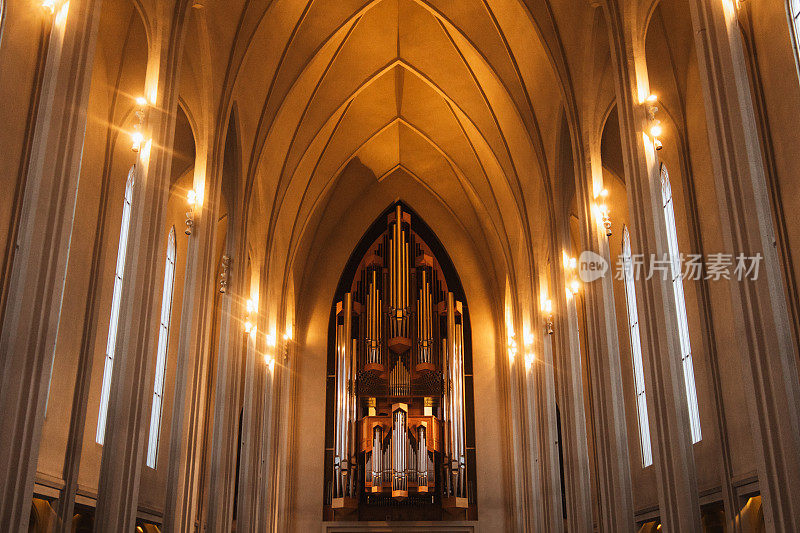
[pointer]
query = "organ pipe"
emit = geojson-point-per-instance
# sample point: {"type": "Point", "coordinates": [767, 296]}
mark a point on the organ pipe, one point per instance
{"type": "Point", "coordinates": [344, 467]}
{"type": "Point", "coordinates": [455, 367]}
{"type": "Point", "coordinates": [399, 450]}
{"type": "Point", "coordinates": [399, 386]}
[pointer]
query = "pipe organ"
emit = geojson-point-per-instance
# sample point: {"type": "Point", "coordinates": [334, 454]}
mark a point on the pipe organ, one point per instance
{"type": "Point", "coordinates": [398, 402]}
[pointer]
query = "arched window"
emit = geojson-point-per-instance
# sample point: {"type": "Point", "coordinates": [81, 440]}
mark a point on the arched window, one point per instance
{"type": "Point", "coordinates": [161, 355]}
{"type": "Point", "coordinates": [115, 302]}
{"type": "Point", "coordinates": [680, 304]}
{"type": "Point", "coordinates": [636, 350]}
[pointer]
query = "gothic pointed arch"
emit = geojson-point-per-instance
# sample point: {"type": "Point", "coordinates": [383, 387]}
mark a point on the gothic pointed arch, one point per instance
{"type": "Point", "coordinates": [400, 433]}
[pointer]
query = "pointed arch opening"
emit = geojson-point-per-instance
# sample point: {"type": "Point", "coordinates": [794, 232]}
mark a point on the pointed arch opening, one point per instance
{"type": "Point", "coordinates": [400, 432]}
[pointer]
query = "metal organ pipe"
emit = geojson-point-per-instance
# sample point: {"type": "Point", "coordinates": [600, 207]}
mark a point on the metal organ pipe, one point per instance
{"type": "Point", "coordinates": [399, 450]}
{"type": "Point", "coordinates": [455, 368]}
{"type": "Point", "coordinates": [377, 458]}
{"type": "Point", "coordinates": [337, 458]}
{"type": "Point", "coordinates": [344, 467]}
{"type": "Point", "coordinates": [422, 459]}
{"type": "Point", "coordinates": [373, 311]}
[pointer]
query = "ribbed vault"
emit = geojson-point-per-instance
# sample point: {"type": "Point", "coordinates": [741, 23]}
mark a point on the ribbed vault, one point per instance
{"type": "Point", "coordinates": [426, 87]}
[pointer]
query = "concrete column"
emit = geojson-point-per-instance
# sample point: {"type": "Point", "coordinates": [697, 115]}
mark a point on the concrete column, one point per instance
{"type": "Point", "coordinates": [251, 419]}
{"type": "Point", "coordinates": [524, 469]}
{"type": "Point", "coordinates": [267, 451]}
{"type": "Point", "coordinates": [760, 311]}
{"type": "Point", "coordinates": [613, 468]}
{"type": "Point", "coordinates": [131, 384]}
{"type": "Point", "coordinates": [531, 423]}
{"type": "Point", "coordinates": [577, 482]}
{"type": "Point", "coordinates": [567, 359]}
{"type": "Point", "coordinates": [673, 456]}
{"type": "Point", "coordinates": [191, 385]}
{"type": "Point", "coordinates": [36, 286]}
{"type": "Point", "coordinates": [228, 376]}
{"type": "Point", "coordinates": [543, 379]}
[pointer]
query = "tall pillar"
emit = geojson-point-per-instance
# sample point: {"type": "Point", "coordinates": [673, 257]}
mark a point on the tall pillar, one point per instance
{"type": "Point", "coordinates": [548, 432]}
{"type": "Point", "coordinates": [189, 417]}
{"type": "Point", "coordinates": [763, 325]}
{"type": "Point", "coordinates": [567, 359]}
{"type": "Point", "coordinates": [222, 455]}
{"type": "Point", "coordinates": [535, 450]}
{"type": "Point", "coordinates": [36, 286]}
{"type": "Point", "coordinates": [250, 430]}
{"type": "Point", "coordinates": [524, 469]}
{"type": "Point", "coordinates": [613, 468]}
{"type": "Point", "coordinates": [673, 455]}
{"type": "Point", "coordinates": [134, 362]}
{"type": "Point", "coordinates": [267, 451]}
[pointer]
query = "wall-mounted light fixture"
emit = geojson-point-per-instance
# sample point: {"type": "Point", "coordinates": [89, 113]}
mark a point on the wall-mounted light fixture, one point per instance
{"type": "Point", "coordinates": [530, 357]}
{"type": "Point", "coordinates": [49, 6]}
{"type": "Point", "coordinates": [571, 275]}
{"type": "Point", "coordinates": [249, 327]}
{"type": "Point", "coordinates": [547, 308]}
{"type": "Point", "coordinates": [137, 137]}
{"type": "Point", "coordinates": [575, 287]}
{"type": "Point", "coordinates": [191, 201]}
{"type": "Point", "coordinates": [603, 211]}
{"type": "Point", "coordinates": [224, 274]}
{"type": "Point", "coordinates": [655, 125]}
{"type": "Point", "coordinates": [512, 348]}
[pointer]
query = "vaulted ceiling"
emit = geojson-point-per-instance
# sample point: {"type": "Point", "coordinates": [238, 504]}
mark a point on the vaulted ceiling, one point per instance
{"type": "Point", "coordinates": [465, 100]}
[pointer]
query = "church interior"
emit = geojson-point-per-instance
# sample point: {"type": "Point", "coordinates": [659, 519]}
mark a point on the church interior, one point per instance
{"type": "Point", "coordinates": [399, 265]}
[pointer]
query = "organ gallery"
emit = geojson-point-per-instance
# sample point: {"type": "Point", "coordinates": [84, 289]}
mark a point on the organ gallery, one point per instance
{"type": "Point", "coordinates": [399, 380]}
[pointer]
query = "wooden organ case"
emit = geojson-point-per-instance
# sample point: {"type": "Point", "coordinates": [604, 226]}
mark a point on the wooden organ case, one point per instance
{"type": "Point", "coordinates": [398, 387]}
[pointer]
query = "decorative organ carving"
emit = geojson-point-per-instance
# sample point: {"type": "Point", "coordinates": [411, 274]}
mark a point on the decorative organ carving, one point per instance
{"type": "Point", "coordinates": [398, 407]}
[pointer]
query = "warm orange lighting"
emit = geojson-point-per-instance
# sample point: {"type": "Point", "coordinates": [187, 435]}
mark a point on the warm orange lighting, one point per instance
{"type": "Point", "coordinates": [251, 306]}
{"type": "Point", "coordinates": [141, 101]}
{"type": "Point", "coordinates": [136, 140]}
{"type": "Point", "coordinates": [61, 16]}
{"type": "Point", "coordinates": [652, 99]}
{"type": "Point", "coordinates": [529, 359]}
{"type": "Point", "coordinates": [191, 197]}
{"type": "Point", "coordinates": [49, 5]}
{"type": "Point", "coordinates": [575, 286]}
{"type": "Point", "coordinates": [248, 326]}
{"type": "Point", "coordinates": [512, 349]}
{"type": "Point", "coordinates": [528, 338]}
{"type": "Point", "coordinates": [271, 342]}
{"type": "Point", "coordinates": [656, 130]}
{"type": "Point", "coordinates": [547, 306]}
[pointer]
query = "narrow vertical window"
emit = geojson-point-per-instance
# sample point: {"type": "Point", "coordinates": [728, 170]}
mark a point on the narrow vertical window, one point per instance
{"type": "Point", "coordinates": [794, 13]}
{"type": "Point", "coordinates": [680, 304]}
{"type": "Point", "coordinates": [2, 18]}
{"type": "Point", "coordinates": [636, 350]}
{"type": "Point", "coordinates": [161, 355]}
{"type": "Point", "coordinates": [113, 322]}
